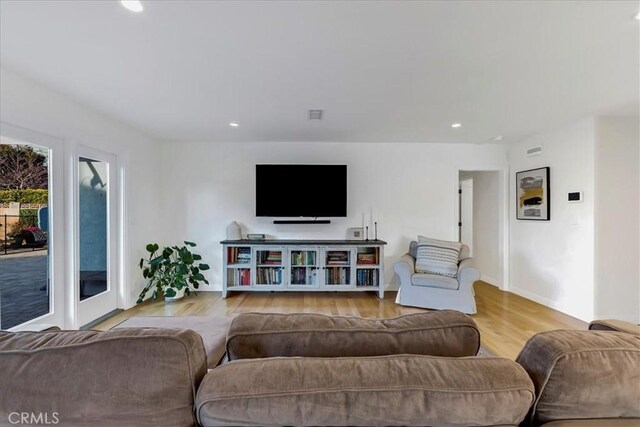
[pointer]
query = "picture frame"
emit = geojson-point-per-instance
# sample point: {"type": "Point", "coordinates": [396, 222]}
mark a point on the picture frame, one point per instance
{"type": "Point", "coordinates": [533, 191]}
{"type": "Point", "coordinates": [355, 233]}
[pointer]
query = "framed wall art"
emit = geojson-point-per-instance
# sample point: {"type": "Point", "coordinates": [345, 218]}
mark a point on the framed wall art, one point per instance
{"type": "Point", "coordinates": [532, 195]}
{"type": "Point", "coordinates": [355, 233]}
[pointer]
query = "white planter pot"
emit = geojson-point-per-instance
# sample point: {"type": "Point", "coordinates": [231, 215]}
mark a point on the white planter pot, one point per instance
{"type": "Point", "coordinates": [179, 295]}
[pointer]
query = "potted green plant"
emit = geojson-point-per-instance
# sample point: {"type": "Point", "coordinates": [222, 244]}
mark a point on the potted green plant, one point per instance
{"type": "Point", "coordinates": [172, 271]}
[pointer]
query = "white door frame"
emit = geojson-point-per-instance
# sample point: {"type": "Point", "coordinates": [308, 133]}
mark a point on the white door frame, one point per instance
{"type": "Point", "coordinates": [466, 213]}
{"type": "Point", "coordinates": [56, 236]}
{"type": "Point", "coordinates": [503, 216]}
{"type": "Point", "coordinates": [96, 306]}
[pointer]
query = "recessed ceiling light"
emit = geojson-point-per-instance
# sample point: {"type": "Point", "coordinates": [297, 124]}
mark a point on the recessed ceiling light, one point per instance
{"type": "Point", "coordinates": [497, 138]}
{"type": "Point", "coordinates": [234, 124]}
{"type": "Point", "coordinates": [132, 5]}
{"type": "Point", "coordinates": [456, 125]}
{"type": "Point", "coordinates": [638, 16]}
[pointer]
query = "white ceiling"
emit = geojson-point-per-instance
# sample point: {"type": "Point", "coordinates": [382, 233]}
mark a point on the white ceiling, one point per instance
{"type": "Point", "coordinates": [383, 71]}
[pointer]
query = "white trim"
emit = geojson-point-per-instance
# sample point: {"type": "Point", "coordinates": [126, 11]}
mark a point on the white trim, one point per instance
{"type": "Point", "coordinates": [503, 217]}
{"type": "Point", "coordinates": [537, 298]}
{"type": "Point", "coordinates": [96, 306]}
{"type": "Point", "coordinates": [489, 280]}
{"type": "Point", "coordinates": [547, 302]}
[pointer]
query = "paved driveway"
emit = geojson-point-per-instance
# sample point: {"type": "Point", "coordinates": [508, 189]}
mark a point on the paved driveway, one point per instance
{"type": "Point", "coordinates": [23, 295]}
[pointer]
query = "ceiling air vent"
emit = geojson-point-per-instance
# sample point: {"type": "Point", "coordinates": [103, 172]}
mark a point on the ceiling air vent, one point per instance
{"type": "Point", "coordinates": [534, 151]}
{"type": "Point", "coordinates": [316, 114]}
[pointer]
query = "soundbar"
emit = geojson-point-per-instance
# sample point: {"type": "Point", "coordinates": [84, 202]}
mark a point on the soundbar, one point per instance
{"type": "Point", "coordinates": [301, 221]}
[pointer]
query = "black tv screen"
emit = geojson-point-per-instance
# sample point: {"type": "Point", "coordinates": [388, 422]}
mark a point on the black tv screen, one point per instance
{"type": "Point", "coordinates": [301, 190]}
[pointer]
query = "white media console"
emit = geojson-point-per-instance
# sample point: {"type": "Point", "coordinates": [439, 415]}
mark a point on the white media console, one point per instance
{"type": "Point", "coordinates": [303, 265]}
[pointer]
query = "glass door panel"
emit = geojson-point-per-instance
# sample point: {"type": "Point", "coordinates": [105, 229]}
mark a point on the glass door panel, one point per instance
{"type": "Point", "coordinates": [303, 267]}
{"type": "Point", "coordinates": [338, 267]}
{"type": "Point", "coordinates": [96, 248]}
{"type": "Point", "coordinates": [269, 267]}
{"type": "Point", "coordinates": [93, 201]}
{"type": "Point", "coordinates": [25, 284]}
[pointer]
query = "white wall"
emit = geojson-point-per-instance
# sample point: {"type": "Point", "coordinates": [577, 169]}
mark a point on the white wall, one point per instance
{"type": "Point", "coordinates": [411, 189]}
{"type": "Point", "coordinates": [486, 225]}
{"type": "Point", "coordinates": [26, 104]}
{"type": "Point", "coordinates": [617, 213]}
{"type": "Point", "coordinates": [552, 262]}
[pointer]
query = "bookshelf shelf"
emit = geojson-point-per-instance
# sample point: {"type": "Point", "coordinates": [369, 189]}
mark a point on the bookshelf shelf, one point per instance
{"type": "Point", "coordinates": [303, 265]}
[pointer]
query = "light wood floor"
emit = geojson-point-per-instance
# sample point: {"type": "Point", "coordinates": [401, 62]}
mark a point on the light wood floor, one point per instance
{"type": "Point", "coordinates": [506, 320]}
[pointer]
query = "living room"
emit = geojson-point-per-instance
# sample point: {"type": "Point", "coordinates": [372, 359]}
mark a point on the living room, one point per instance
{"type": "Point", "coordinates": [183, 100]}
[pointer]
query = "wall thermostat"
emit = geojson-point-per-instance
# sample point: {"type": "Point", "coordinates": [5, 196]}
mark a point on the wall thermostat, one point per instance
{"type": "Point", "coordinates": [575, 197]}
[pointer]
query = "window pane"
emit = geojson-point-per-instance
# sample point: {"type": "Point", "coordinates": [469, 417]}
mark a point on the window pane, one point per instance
{"type": "Point", "coordinates": [24, 229]}
{"type": "Point", "coordinates": [92, 204]}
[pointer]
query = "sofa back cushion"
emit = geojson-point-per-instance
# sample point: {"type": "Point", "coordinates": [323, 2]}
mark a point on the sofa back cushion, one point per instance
{"type": "Point", "coordinates": [583, 374]}
{"type": "Point", "coordinates": [437, 333]}
{"type": "Point", "coordinates": [132, 377]}
{"type": "Point", "coordinates": [399, 390]}
{"type": "Point", "coordinates": [437, 257]}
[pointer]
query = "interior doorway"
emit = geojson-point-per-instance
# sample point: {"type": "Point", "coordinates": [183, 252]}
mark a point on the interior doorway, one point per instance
{"type": "Point", "coordinates": [480, 221]}
{"type": "Point", "coordinates": [465, 223]}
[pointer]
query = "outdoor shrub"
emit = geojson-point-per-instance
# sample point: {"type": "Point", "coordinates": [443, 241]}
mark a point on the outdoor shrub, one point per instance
{"type": "Point", "coordinates": [28, 218]}
{"type": "Point", "coordinates": [34, 196]}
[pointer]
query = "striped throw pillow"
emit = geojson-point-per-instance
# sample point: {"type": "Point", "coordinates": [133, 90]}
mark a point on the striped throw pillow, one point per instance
{"type": "Point", "coordinates": [437, 257]}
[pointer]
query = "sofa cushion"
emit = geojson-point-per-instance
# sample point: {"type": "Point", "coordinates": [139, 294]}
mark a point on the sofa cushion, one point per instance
{"type": "Point", "coordinates": [399, 390]}
{"type": "Point", "coordinates": [434, 281]}
{"type": "Point", "coordinates": [614, 325]}
{"type": "Point", "coordinates": [441, 333]}
{"type": "Point", "coordinates": [583, 374]}
{"type": "Point", "coordinates": [598, 422]}
{"type": "Point", "coordinates": [213, 330]}
{"type": "Point", "coordinates": [437, 257]}
{"type": "Point", "coordinates": [124, 377]}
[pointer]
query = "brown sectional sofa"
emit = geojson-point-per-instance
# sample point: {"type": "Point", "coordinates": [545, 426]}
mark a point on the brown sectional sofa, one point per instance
{"type": "Point", "coordinates": [158, 377]}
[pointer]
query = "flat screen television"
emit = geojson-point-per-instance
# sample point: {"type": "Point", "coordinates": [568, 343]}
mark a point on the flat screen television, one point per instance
{"type": "Point", "coordinates": [301, 191]}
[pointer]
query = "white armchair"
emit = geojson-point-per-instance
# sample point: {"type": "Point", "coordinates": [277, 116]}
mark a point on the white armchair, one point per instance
{"type": "Point", "coordinates": [434, 291]}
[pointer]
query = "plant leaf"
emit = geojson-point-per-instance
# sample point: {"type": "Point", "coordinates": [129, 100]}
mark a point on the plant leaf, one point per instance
{"type": "Point", "coordinates": [204, 267]}
{"type": "Point", "coordinates": [152, 247]}
{"type": "Point", "coordinates": [197, 257]}
{"type": "Point", "coordinates": [189, 243]}
{"type": "Point", "coordinates": [169, 292]}
{"type": "Point", "coordinates": [156, 261]}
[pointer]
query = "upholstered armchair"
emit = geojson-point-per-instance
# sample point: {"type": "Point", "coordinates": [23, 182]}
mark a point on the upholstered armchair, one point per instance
{"type": "Point", "coordinates": [435, 291]}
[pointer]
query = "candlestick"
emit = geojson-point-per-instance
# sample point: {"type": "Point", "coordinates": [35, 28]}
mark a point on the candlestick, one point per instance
{"type": "Point", "coordinates": [367, 233]}
{"type": "Point", "coordinates": [375, 224]}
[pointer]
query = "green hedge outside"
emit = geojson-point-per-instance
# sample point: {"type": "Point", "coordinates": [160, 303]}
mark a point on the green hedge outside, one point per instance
{"type": "Point", "coordinates": [34, 196]}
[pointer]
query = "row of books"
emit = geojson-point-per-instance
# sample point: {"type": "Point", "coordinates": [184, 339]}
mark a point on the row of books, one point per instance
{"type": "Point", "coordinates": [303, 258]}
{"type": "Point", "coordinates": [368, 277]}
{"type": "Point", "coordinates": [304, 276]}
{"type": "Point", "coordinates": [337, 275]}
{"type": "Point", "coordinates": [269, 276]}
{"type": "Point", "coordinates": [367, 258]}
{"type": "Point", "coordinates": [337, 258]}
{"type": "Point", "coordinates": [238, 277]}
{"type": "Point", "coordinates": [270, 257]}
{"type": "Point", "coordinates": [240, 255]}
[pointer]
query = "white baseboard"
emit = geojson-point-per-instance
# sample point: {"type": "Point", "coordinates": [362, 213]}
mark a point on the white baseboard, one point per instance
{"type": "Point", "coordinates": [489, 280]}
{"type": "Point", "coordinates": [546, 302]}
